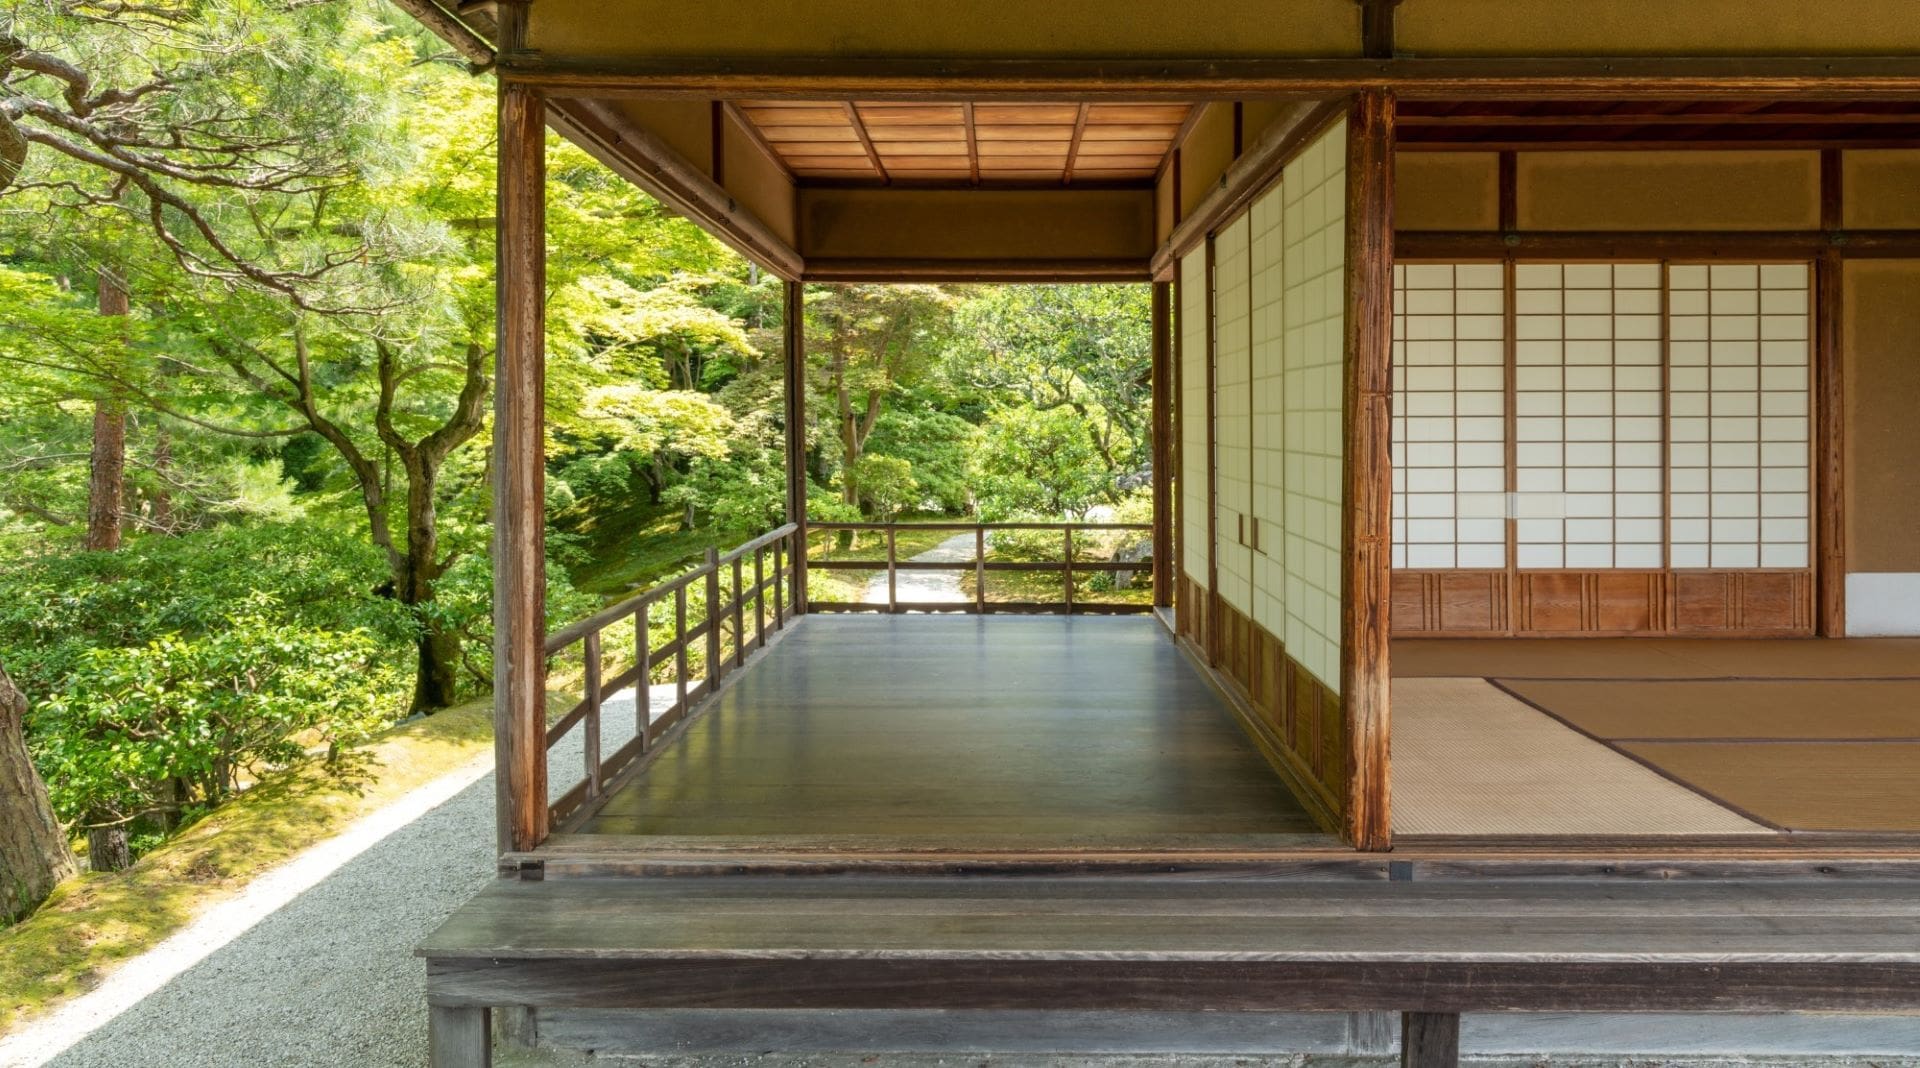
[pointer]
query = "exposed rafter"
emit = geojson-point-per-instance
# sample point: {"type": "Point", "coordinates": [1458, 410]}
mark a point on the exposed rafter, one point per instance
{"type": "Point", "coordinates": [1073, 146]}
{"type": "Point", "coordinates": [973, 144]}
{"type": "Point", "coordinates": [866, 140]}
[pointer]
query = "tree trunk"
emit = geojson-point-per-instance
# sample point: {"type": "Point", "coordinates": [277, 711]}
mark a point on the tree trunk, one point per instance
{"type": "Point", "coordinates": [107, 478]}
{"type": "Point", "coordinates": [33, 849]}
{"type": "Point", "coordinates": [162, 471]}
{"type": "Point", "coordinates": [438, 651]}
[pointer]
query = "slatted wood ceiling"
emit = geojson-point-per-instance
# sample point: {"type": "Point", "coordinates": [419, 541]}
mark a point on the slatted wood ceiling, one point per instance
{"type": "Point", "coordinates": [968, 143]}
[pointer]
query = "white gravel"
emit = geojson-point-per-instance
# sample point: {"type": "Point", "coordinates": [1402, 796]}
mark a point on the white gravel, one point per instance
{"type": "Point", "coordinates": [927, 587]}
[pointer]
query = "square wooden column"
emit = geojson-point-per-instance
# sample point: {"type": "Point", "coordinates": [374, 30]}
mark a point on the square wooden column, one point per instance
{"type": "Point", "coordinates": [1367, 518]}
{"type": "Point", "coordinates": [519, 460]}
{"type": "Point", "coordinates": [795, 325]}
{"type": "Point", "coordinates": [1163, 445]}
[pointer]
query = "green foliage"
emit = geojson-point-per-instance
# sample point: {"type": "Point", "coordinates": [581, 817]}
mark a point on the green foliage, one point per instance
{"type": "Point", "coordinates": [179, 723]}
{"type": "Point", "coordinates": [1037, 462]}
{"type": "Point", "coordinates": [886, 484]}
{"type": "Point", "coordinates": [937, 445]}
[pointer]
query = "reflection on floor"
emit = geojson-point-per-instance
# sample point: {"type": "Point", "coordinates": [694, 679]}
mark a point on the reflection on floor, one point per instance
{"type": "Point", "coordinates": [1536, 737]}
{"type": "Point", "coordinates": [963, 728]}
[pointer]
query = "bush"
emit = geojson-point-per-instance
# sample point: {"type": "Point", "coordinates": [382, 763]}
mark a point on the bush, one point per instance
{"type": "Point", "coordinates": [180, 723]}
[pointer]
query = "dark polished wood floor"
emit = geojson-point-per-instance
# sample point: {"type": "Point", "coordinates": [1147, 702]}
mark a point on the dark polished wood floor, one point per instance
{"type": "Point", "coordinates": [965, 728]}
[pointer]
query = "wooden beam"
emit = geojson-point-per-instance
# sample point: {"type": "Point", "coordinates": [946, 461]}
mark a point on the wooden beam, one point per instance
{"type": "Point", "coordinates": [1509, 179]}
{"type": "Point", "coordinates": [1656, 244]}
{"type": "Point", "coordinates": [1664, 118]}
{"type": "Point", "coordinates": [851, 269]}
{"type": "Point", "coordinates": [1162, 326]}
{"type": "Point", "coordinates": [1366, 526]}
{"type": "Point", "coordinates": [1246, 178]}
{"type": "Point", "coordinates": [450, 28]}
{"type": "Point", "coordinates": [1211, 644]}
{"type": "Point", "coordinates": [650, 163]}
{"type": "Point", "coordinates": [1849, 78]}
{"type": "Point", "coordinates": [459, 1036]}
{"type": "Point", "coordinates": [973, 144]}
{"type": "Point", "coordinates": [866, 140]}
{"type": "Point", "coordinates": [1376, 28]}
{"type": "Point", "coordinates": [1073, 146]}
{"type": "Point", "coordinates": [519, 462]}
{"type": "Point", "coordinates": [717, 137]}
{"type": "Point", "coordinates": [794, 336]}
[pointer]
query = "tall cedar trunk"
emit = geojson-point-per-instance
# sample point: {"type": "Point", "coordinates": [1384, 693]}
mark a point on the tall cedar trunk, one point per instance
{"type": "Point", "coordinates": [33, 850]}
{"type": "Point", "coordinates": [438, 650]}
{"type": "Point", "coordinates": [106, 480]}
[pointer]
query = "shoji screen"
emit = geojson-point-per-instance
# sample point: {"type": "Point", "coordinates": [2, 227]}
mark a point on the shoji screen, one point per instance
{"type": "Point", "coordinates": [1587, 406]}
{"type": "Point", "coordinates": [1269, 437]}
{"type": "Point", "coordinates": [1740, 421]}
{"type": "Point", "coordinates": [1449, 416]}
{"type": "Point", "coordinates": [1233, 425]}
{"type": "Point", "coordinates": [1313, 238]}
{"type": "Point", "coordinates": [1193, 426]}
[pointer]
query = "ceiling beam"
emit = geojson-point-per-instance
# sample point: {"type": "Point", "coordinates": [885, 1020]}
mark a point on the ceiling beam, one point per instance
{"type": "Point", "coordinates": [1073, 146]}
{"type": "Point", "coordinates": [1630, 118]}
{"type": "Point", "coordinates": [866, 141]}
{"type": "Point", "coordinates": [1139, 80]}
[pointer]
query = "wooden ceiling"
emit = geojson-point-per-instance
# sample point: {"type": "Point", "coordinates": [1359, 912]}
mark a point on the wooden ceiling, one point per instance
{"type": "Point", "coordinates": [1494, 124]}
{"type": "Point", "coordinates": [967, 143]}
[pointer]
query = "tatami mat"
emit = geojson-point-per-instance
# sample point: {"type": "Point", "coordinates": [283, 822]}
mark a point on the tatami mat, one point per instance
{"type": "Point", "coordinates": [1773, 710]}
{"type": "Point", "coordinates": [1469, 759]}
{"type": "Point", "coordinates": [1803, 786]}
{"type": "Point", "coordinates": [1657, 658]}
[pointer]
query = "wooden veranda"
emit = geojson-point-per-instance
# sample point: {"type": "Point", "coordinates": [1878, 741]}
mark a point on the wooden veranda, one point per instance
{"type": "Point", "coordinates": [1533, 522]}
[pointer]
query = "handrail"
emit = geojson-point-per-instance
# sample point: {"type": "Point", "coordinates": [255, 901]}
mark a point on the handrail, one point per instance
{"type": "Point", "coordinates": [723, 619]}
{"type": "Point", "coordinates": [1069, 566]}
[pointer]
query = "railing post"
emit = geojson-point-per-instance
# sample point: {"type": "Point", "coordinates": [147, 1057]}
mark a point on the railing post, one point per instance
{"type": "Point", "coordinates": [760, 597]}
{"type": "Point", "coordinates": [643, 685]}
{"type": "Point", "coordinates": [779, 584]}
{"type": "Point", "coordinates": [980, 568]}
{"type": "Point", "coordinates": [714, 617]}
{"type": "Point", "coordinates": [893, 597]}
{"type": "Point", "coordinates": [1069, 568]}
{"type": "Point", "coordinates": [590, 740]}
{"type": "Point", "coordinates": [739, 617]}
{"type": "Point", "coordinates": [679, 650]}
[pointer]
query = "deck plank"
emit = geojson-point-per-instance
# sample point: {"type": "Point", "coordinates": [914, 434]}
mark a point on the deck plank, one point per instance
{"type": "Point", "coordinates": [962, 727]}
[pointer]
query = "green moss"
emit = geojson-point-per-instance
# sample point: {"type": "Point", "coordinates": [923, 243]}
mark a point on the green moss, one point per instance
{"type": "Point", "coordinates": [97, 920]}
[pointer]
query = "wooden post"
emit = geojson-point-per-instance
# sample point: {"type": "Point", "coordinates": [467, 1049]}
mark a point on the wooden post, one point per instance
{"type": "Point", "coordinates": [1366, 520]}
{"type": "Point", "coordinates": [714, 617]}
{"type": "Point", "coordinates": [893, 594]}
{"type": "Point", "coordinates": [980, 569]}
{"type": "Point", "coordinates": [458, 1037]}
{"type": "Point", "coordinates": [1830, 534]}
{"type": "Point", "coordinates": [1429, 1039]}
{"type": "Point", "coordinates": [1162, 422]}
{"type": "Point", "coordinates": [1210, 636]}
{"type": "Point", "coordinates": [590, 741]}
{"type": "Point", "coordinates": [796, 415]}
{"type": "Point", "coordinates": [1068, 570]}
{"type": "Point", "coordinates": [519, 481]}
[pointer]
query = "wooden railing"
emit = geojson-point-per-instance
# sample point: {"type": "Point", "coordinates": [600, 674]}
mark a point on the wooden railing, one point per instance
{"type": "Point", "coordinates": [701, 652]}
{"type": "Point", "coordinates": [981, 565]}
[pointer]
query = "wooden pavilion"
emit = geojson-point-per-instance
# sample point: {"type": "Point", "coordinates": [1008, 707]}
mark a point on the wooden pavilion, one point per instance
{"type": "Point", "coordinates": [1477, 323]}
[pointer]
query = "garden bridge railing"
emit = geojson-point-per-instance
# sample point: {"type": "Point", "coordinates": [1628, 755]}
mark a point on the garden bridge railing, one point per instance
{"type": "Point", "coordinates": [1071, 564]}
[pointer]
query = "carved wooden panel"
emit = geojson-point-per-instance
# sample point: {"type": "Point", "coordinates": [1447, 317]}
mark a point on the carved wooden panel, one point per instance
{"type": "Point", "coordinates": [1744, 602]}
{"type": "Point", "coordinates": [1441, 603]}
{"type": "Point", "coordinates": [1595, 603]}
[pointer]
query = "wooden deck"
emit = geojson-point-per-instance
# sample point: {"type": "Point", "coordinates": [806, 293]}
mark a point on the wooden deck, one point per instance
{"type": "Point", "coordinates": [962, 729]}
{"type": "Point", "coordinates": [1431, 949]}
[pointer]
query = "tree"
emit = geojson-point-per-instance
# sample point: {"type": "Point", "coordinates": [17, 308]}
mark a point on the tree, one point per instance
{"type": "Point", "coordinates": [866, 342]}
{"type": "Point", "coordinates": [33, 849]}
{"type": "Point", "coordinates": [1086, 348]}
{"type": "Point", "coordinates": [1037, 462]}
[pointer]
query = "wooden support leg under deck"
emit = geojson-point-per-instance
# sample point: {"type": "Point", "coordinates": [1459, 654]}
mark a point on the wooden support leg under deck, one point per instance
{"type": "Point", "coordinates": [458, 1037]}
{"type": "Point", "coordinates": [1429, 1039]}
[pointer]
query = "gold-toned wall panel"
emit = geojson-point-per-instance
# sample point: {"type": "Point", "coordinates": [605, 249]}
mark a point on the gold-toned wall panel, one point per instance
{"type": "Point", "coordinates": [758, 182]}
{"type": "Point", "coordinates": [967, 224]}
{"type": "Point", "coordinates": [1657, 27]}
{"type": "Point", "coordinates": [1206, 154]}
{"type": "Point", "coordinates": [686, 126]}
{"type": "Point", "coordinates": [1446, 191]}
{"type": "Point", "coordinates": [1757, 190]}
{"type": "Point", "coordinates": [979, 28]}
{"type": "Point", "coordinates": [1882, 376]}
{"type": "Point", "coordinates": [1880, 189]}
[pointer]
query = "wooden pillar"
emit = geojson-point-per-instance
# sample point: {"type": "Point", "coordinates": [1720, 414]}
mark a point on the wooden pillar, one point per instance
{"type": "Point", "coordinates": [1429, 1039]}
{"type": "Point", "coordinates": [1210, 638]}
{"type": "Point", "coordinates": [1366, 522]}
{"type": "Point", "coordinates": [519, 479]}
{"type": "Point", "coordinates": [458, 1037]}
{"type": "Point", "coordinates": [1163, 563]}
{"type": "Point", "coordinates": [1830, 535]}
{"type": "Point", "coordinates": [795, 326]}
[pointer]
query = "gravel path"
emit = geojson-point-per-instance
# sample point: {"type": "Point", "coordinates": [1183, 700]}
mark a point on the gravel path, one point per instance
{"type": "Point", "coordinates": [927, 586]}
{"type": "Point", "coordinates": [323, 973]}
